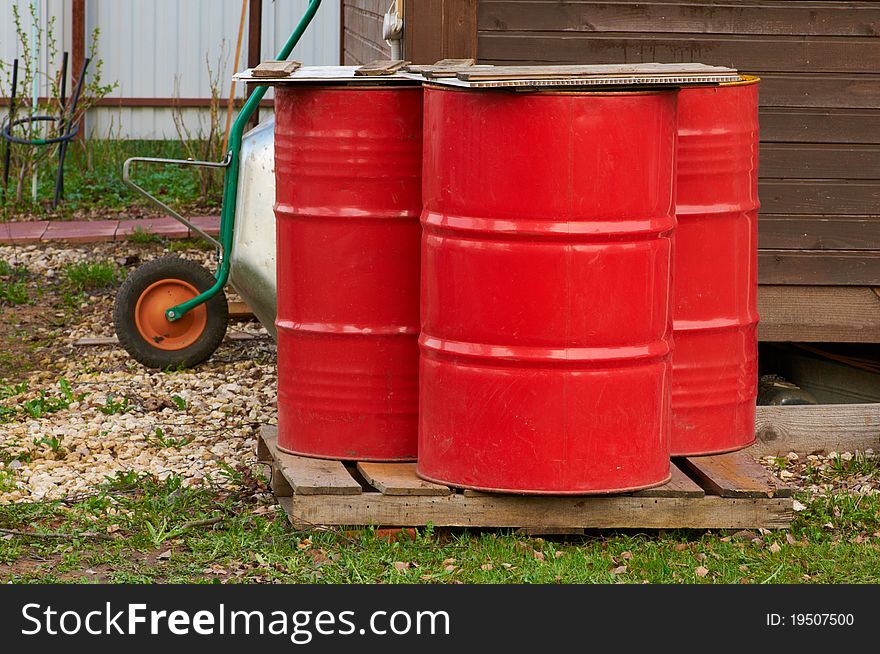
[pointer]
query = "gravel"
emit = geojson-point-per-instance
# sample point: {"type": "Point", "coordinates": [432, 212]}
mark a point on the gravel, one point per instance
{"type": "Point", "coordinates": [193, 423]}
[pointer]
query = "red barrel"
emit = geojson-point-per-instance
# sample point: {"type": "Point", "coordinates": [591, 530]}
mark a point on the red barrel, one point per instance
{"type": "Point", "coordinates": [715, 364]}
{"type": "Point", "coordinates": [348, 199]}
{"type": "Point", "coordinates": [546, 308]}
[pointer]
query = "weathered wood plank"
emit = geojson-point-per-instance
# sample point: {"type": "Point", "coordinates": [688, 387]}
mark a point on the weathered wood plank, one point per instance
{"type": "Point", "coordinates": [734, 475]}
{"type": "Point", "coordinates": [800, 232]}
{"type": "Point", "coordinates": [380, 67]}
{"type": "Point", "coordinates": [826, 91]}
{"type": "Point", "coordinates": [819, 267]}
{"type": "Point", "coordinates": [812, 429]}
{"type": "Point", "coordinates": [707, 17]}
{"type": "Point", "coordinates": [310, 476]}
{"type": "Point", "coordinates": [680, 485]}
{"type": "Point", "coordinates": [240, 310]}
{"type": "Point", "coordinates": [362, 32]}
{"type": "Point", "coordinates": [807, 196]}
{"type": "Point", "coordinates": [745, 52]}
{"type": "Point", "coordinates": [819, 314]}
{"type": "Point", "coordinates": [275, 68]}
{"type": "Point", "coordinates": [399, 479]}
{"type": "Point", "coordinates": [819, 125]}
{"type": "Point", "coordinates": [443, 64]}
{"type": "Point", "coordinates": [497, 511]}
{"type": "Point", "coordinates": [279, 484]}
{"type": "Point", "coordinates": [820, 161]}
{"type": "Point", "coordinates": [478, 73]}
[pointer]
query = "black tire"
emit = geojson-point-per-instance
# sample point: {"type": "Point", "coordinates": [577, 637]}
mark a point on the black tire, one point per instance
{"type": "Point", "coordinates": [142, 349]}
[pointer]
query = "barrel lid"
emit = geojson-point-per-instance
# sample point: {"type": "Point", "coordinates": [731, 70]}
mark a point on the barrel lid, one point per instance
{"type": "Point", "coordinates": [594, 75]}
{"type": "Point", "coordinates": [335, 75]}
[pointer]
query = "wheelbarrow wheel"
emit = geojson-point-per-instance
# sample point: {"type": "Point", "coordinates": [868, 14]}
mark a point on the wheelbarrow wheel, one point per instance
{"type": "Point", "coordinates": [139, 314]}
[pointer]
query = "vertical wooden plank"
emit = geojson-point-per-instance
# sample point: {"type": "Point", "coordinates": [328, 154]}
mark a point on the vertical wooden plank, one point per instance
{"type": "Point", "coordinates": [78, 47]}
{"type": "Point", "coordinates": [460, 29]}
{"type": "Point", "coordinates": [341, 32]}
{"type": "Point", "coordinates": [440, 29]}
{"type": "Point", "coordinates": [255, 45]}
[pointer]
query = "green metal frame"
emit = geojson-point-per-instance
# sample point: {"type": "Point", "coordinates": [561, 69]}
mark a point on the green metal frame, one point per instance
{"type": "Point", "coordinates": [230, 179]}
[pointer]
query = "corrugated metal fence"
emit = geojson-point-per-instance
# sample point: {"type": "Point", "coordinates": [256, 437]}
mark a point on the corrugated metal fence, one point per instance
{"type": "Point", "coordinates": [160, 49]}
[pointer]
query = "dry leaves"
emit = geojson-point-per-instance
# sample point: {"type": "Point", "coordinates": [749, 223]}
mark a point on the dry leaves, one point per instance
{"type": "Point", "coordinates": [701, 571]}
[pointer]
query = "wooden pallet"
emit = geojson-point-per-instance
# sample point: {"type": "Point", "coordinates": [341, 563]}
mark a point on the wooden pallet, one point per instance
{"type": "Point", "coordinates": [718, 492]}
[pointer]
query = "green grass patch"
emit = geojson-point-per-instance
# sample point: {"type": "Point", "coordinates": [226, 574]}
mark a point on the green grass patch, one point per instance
{"type": "Point", "coordinates": [13, 284]}
{"type": "Point", "coordinates": [93, 180]}
{"type": "Point", "coordinates": [186, 244]}
{"type": "Point", "coordinates": [143, 237]}
{"type": "Point", "coordinates": [90, 276]}
{"type": "Point", "coordinates": [228, 530]}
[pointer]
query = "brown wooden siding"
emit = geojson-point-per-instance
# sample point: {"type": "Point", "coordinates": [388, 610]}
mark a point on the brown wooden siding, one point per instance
{"type": "Point", "coordinates": [362, 40]}
{"type": "Point", "coordinates": [820, 104]}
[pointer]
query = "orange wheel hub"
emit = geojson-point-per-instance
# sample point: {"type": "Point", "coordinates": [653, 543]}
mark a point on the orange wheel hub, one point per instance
{"type": "Point", "coordinates": [156, 329]}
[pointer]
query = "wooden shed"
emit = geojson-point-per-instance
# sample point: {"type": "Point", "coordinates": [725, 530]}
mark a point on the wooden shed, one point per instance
{"type": "Point", "coordinates": [819, 233]}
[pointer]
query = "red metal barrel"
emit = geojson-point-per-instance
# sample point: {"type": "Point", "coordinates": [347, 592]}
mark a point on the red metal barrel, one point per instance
{"type": "Point", "coordinates": [715, 368]}
{"type": "Point", "coordinates": [348, 199]}
{"type": "Point", "coordinates": [546, 309]}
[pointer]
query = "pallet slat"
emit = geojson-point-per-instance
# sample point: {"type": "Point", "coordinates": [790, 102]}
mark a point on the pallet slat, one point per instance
{"type": "Point", "coordinates": [735, 475]}
{"type": "Point", "coordinates": [399, 479]}
{"type": "Point", "coordinates": [680, 485]}
{"type": "Point", "coordinates": [496, 511]}
{"type": "Point", "coordinates": [310, 476]}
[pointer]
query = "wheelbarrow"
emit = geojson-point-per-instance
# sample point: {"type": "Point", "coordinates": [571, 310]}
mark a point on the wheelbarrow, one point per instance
{"type": "Point", "coordinates": [173, 312]}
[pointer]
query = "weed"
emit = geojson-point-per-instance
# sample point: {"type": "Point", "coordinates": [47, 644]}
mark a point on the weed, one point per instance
{"type": "Point", "coordinates": [179, 402]}
{"type": "Point", "coordinates": [8, 270]}
{"type": "Point", "coordinates": [143, 237]}
{"type": "Point", "coordinates": [11, 390]}
{"type": "Point", "coordinates": [7, 481]}
{"type": "Point", "coordinates": [160, 440]}
{"type": "Point", "coordinates": [86, 276]}
{"type": "Point", "coordinates": [160, 534]}
{"type": "Point", "coordinates": [52, 442]}
{"type": "Point", "coordinates": [14, 293]}
{"type": "Point", "coordinates": [191, 244]}
{"type": "Point", "coordinates": [112, 406]}
{"type": "Point", "coordinates": [72, 299]}
{"type": "Point", "coordinates": [44, 404]}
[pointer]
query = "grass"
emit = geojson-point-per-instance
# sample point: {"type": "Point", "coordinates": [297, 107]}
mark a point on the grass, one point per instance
{"type": "Point", "coordinates": [191, 244]}
{"type": "Point", "coordinates": [13, 284]}
{"type": "Point", "coordinates": [143, 237]}
{"type": "Point", "coordinates": [165, 532]}
{"type": "Point", "coordinates": [90, 276]}
{"type": "Point", "coordinates": [93, 181]}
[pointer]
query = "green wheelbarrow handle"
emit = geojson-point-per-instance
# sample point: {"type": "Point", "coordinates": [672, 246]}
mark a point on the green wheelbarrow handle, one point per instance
{"type": "Point", "coordinates": [230, 178]}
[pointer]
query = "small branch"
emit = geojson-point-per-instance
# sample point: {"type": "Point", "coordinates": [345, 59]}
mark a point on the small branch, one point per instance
{"type": "Point", "coordinates": [200, 523]}
{"type": "Point", "coordinates": [32, 534]}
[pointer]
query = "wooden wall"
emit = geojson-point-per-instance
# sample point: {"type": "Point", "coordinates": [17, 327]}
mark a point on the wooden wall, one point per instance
{"type": "Point", "coordinates": [362, 40]}
{"type": "Point", "coordinates": [820, 105]}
